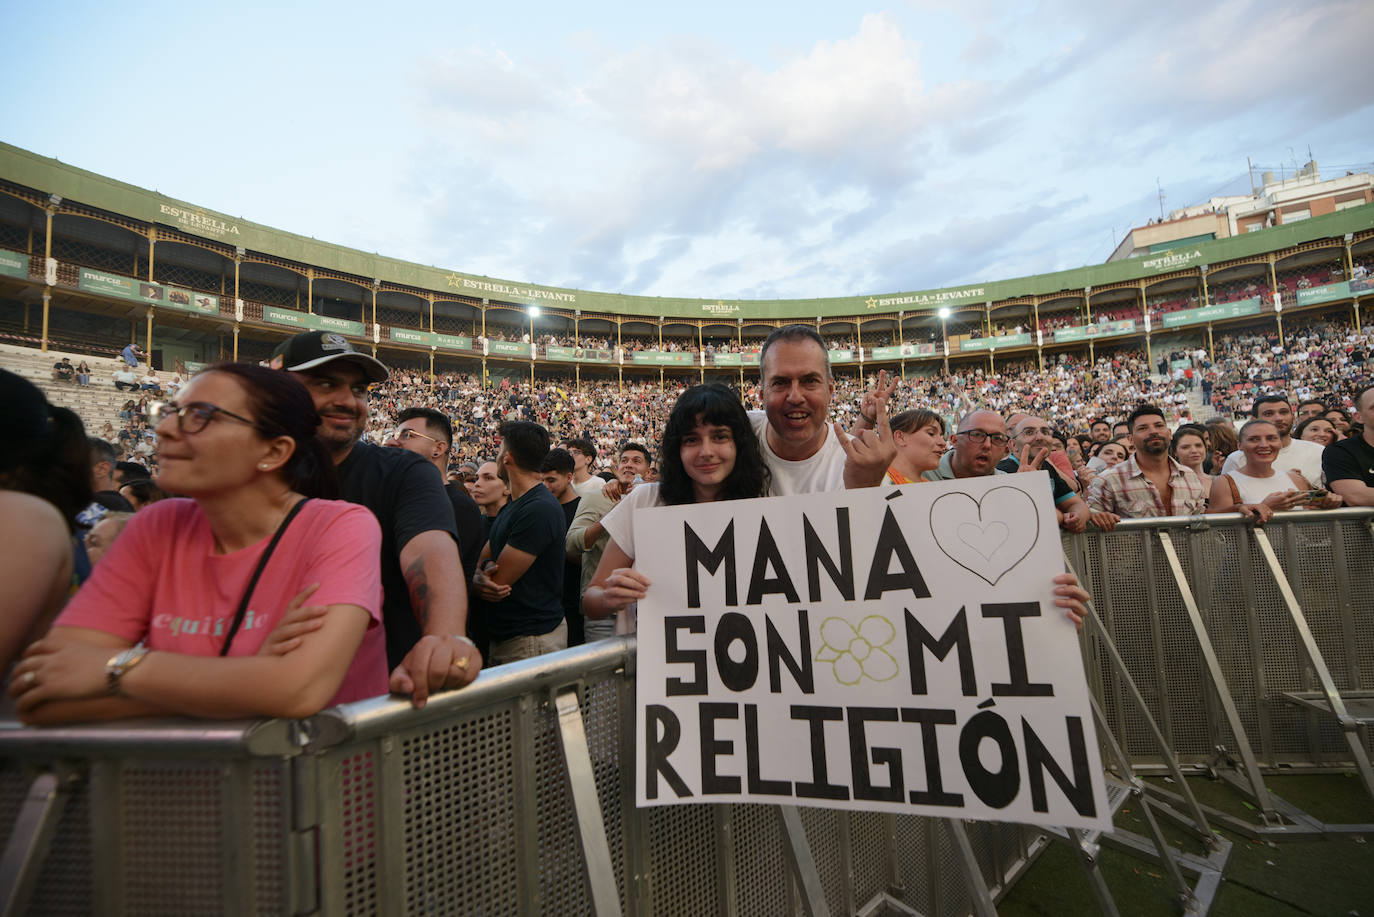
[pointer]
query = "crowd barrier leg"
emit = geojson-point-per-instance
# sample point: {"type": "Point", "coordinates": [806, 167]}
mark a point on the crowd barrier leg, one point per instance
{"type": "Point", "coordinates": [979, 894]}
{"type": "Point", "coordinates": [800, 860]}
{"type": "Point", "coordinates": [32, 837]}
{"type": "Point", "coordinates": [1218, 680]}
{"type": "Point", "coordinates": [1199, 823]}
{"type": "Point", "coordinates": [587, 823]}
{"type": "Point", "coordinates": [1334, 705]}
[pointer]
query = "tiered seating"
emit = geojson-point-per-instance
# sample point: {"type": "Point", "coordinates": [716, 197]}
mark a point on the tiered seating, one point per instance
{"type": "Point", "coordinates": [95, 403]}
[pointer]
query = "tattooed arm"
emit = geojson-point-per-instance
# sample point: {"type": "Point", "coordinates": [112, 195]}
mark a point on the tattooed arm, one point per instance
{"type": "Point", "coordinates": [438, 596]}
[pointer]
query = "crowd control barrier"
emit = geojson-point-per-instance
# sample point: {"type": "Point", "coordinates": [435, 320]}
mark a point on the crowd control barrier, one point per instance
{"type": "Point", "coordinates": [516, 795]}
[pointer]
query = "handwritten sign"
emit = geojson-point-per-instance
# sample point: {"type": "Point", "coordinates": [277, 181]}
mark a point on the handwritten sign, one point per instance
{"type": "Point", "coordinates": [893, 649]}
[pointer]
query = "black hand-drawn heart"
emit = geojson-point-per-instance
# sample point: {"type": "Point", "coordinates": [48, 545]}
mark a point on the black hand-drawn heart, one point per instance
{"type": "Point", "coordinates": [986, 537]}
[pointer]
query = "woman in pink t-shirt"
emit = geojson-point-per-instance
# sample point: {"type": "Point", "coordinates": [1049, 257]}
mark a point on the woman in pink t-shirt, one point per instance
{"type": "Point", "coordinates": [177, 616]}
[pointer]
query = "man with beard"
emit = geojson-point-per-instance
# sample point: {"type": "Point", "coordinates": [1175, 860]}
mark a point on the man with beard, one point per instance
{"type": "Point", "coordinates": [1298, 455]}
{"type": "Point", "coordinates": [1148, 483]}
{"type": "Point", "coordinates": [424, 602]}
{"type": "Point", "coordinates": [1034, 439]}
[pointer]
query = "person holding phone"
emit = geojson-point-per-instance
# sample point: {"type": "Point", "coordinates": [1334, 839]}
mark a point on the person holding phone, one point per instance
{"type": "Point", "coordinates": [1257, 489]}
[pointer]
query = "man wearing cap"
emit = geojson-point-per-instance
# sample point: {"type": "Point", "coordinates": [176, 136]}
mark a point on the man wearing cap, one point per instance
{"type": "Point", "coordinates": [424, 606]}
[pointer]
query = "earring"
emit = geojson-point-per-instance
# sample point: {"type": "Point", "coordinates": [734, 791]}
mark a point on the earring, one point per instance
{"type": "Point", "coordinates": [262, 467]}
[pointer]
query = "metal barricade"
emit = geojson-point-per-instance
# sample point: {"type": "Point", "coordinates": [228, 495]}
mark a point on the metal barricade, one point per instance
{"type": "Point", "coordinates": [516, 795]}
{"type": "Point", "coordinates": [1327, 557]}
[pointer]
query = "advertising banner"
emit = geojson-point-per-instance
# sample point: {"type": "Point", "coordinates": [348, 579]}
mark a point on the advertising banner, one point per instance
{"type": "Point", "coordinates": [998, 342]}
{"type": "Point", "coordinates": [1095, 330]}
{"type": "Point", "coordinates": [903, 351]}
{"type": "Point", "coordinates": [1211, 313]}
{"type": "Point", "coordinates": [1329, 292]}
{"type": "Point", "coordinates": [508, 349]}
{"type": "Point", "coordinates": [153, 294]}
{"type": "Point", "coordinates": [747, 358]}
{"type": "Point", "coordinates": [13, 264]}
{"type": "Point", "coordinates": [662, 358]}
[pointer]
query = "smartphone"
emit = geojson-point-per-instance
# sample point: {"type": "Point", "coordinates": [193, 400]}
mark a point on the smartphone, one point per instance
{"type": "Point", "coordinates": [1316, 496]}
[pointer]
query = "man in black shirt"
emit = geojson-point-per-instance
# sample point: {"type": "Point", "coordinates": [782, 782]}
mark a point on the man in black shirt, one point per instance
{"type": "Point", "coordinates": [558, 471]}
{"type": "Point", "coordinates": [520, 572]}
{"type": "Point", "coordinates": [429, 434]}
{"type": "Point", "coordinates": [1349, 464]}
{"type": "Point", "coordinates": [424, 603]}
{"type": "Point", "coordinates": [105, 490]}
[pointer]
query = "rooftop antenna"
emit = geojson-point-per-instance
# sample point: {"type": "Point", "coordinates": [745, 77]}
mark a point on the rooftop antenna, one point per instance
{"type": "Point", "coordinates": [1250, 166]}
{"type": "Point", "coordinates": [1161, 200]}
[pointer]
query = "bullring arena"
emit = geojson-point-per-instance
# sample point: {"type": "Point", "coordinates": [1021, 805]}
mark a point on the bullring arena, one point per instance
{"type": "Point", "coordinates": [1231, 667]}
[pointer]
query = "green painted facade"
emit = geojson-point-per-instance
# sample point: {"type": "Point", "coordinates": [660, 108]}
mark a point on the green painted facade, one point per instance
{"type": "Point", "coordinates": [13, 264]}
{"type": "Point", "coordinates": [51, 176]}
{"type": "Point", "coordinates": [1211, 313]}
{"type": "Point", "coordinates": [152, 294]}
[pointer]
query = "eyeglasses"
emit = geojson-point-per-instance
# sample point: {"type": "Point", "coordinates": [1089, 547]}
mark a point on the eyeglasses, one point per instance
{"type": "Point", "coordinates": [982, 436]}
{"type": "Point", "coordinates": [1031, 431]}
{"type": "Point", "coordinates": [402, 434]}
{"type": "Point", "coordinates": [193, 416]}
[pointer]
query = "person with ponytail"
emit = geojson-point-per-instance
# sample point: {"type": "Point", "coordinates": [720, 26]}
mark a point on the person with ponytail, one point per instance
{"type": "Point", "coordinates": [45, 480]}
{"type": "Point", "coordinates": [256, 547]}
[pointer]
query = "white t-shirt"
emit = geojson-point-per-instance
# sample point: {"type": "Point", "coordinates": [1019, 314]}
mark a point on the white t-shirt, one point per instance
{"type": "Point", "coordinates": [592, 485]}
{"type": "Point", "coordinates": [619, 521]}
{"type": "Point", "coordinates": [1299, 455]}
{"type": "Point", "coordinates": [620, 525]}
{"type": "Point", "coordinates": [1254, 490]}
{"type": "Point", "coordinates": [823, 471]}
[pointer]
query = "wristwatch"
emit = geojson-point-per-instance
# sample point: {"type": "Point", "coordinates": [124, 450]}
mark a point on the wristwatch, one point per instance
{"type": "Point", "coordinates": [121, 663]}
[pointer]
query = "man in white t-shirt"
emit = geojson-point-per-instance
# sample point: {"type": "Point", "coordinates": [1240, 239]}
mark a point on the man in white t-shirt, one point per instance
{"type": "Point", "coordinates": [1296, 455]}
{"type": "Point", "coordinates": [584, 455]}
{"type": "Point", "coordinates": [806, 453]}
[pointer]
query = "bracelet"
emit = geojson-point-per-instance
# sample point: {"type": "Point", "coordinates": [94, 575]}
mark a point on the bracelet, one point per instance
{"type": "Point", "coordinates": [465, 639]}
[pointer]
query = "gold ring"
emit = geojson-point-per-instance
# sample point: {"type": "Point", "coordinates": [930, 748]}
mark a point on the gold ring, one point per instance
{"type": "Point", "coordinates": [461, 663]}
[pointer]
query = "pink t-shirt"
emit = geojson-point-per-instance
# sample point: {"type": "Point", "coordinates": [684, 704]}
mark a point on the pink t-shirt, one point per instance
{"type": "Point", "coordinates": [162, 581]}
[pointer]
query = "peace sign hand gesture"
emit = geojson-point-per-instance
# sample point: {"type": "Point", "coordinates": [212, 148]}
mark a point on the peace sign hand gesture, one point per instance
{"type": "Point", "coordinates": [1031, 464]}
{"type": "Point", "coordinates": [869, 452]}
{"type": "Point", "coordinates": [880, 394]}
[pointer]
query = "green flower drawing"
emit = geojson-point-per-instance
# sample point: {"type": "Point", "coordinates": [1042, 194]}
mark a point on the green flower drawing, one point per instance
{"type": "Point", "coordinates": [856, 655]}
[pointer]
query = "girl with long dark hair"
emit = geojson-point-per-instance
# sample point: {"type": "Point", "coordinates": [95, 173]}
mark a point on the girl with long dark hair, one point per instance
{"type": "Point", "coordinates": [709, 452]}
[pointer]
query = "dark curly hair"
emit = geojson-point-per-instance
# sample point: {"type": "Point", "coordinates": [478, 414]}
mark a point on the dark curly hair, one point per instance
{"type": "Point", "coordinates": [718, 404]}
{"type": "Point", "coordinates": [44, 451]}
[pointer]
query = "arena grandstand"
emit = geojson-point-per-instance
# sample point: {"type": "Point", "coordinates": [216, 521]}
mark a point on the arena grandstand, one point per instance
{"type": "Point", "coordinates": [1206, 651]}
{"type": "Point", "coordinates": [88, 265]}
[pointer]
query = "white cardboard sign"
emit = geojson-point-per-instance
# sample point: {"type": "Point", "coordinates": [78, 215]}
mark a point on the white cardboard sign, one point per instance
{"type": "Point", "coordinates": [893, 649]}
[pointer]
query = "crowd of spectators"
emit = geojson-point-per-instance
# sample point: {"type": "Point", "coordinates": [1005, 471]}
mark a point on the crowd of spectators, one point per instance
{"type": "Point", "coordinates": [447, 524]}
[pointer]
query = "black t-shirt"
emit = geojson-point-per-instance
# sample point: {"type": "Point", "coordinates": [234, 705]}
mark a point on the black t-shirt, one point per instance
{"type": "Point", "coordinates": [1350, 459]}
{"type": "Point", "coordinates": [472, 531]}
{"type": "Point", "coordinates": [533, 524]}
{"type": "Point", "coordinates": [1059, 487]}
{"type": "Point", "coordinates": [572, 569]}
{"type": "Point", "coordinates": [406, 494]}
{"type": "Point", "coordinates": [112, 500]}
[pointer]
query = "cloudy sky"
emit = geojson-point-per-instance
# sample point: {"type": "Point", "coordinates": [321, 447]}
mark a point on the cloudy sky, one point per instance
{"type": "Point", "coordinates": [726, 150]}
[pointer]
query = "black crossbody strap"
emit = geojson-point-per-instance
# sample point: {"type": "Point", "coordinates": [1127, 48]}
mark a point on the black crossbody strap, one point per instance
{"type": "Point", "coordinates": [252, 583]}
